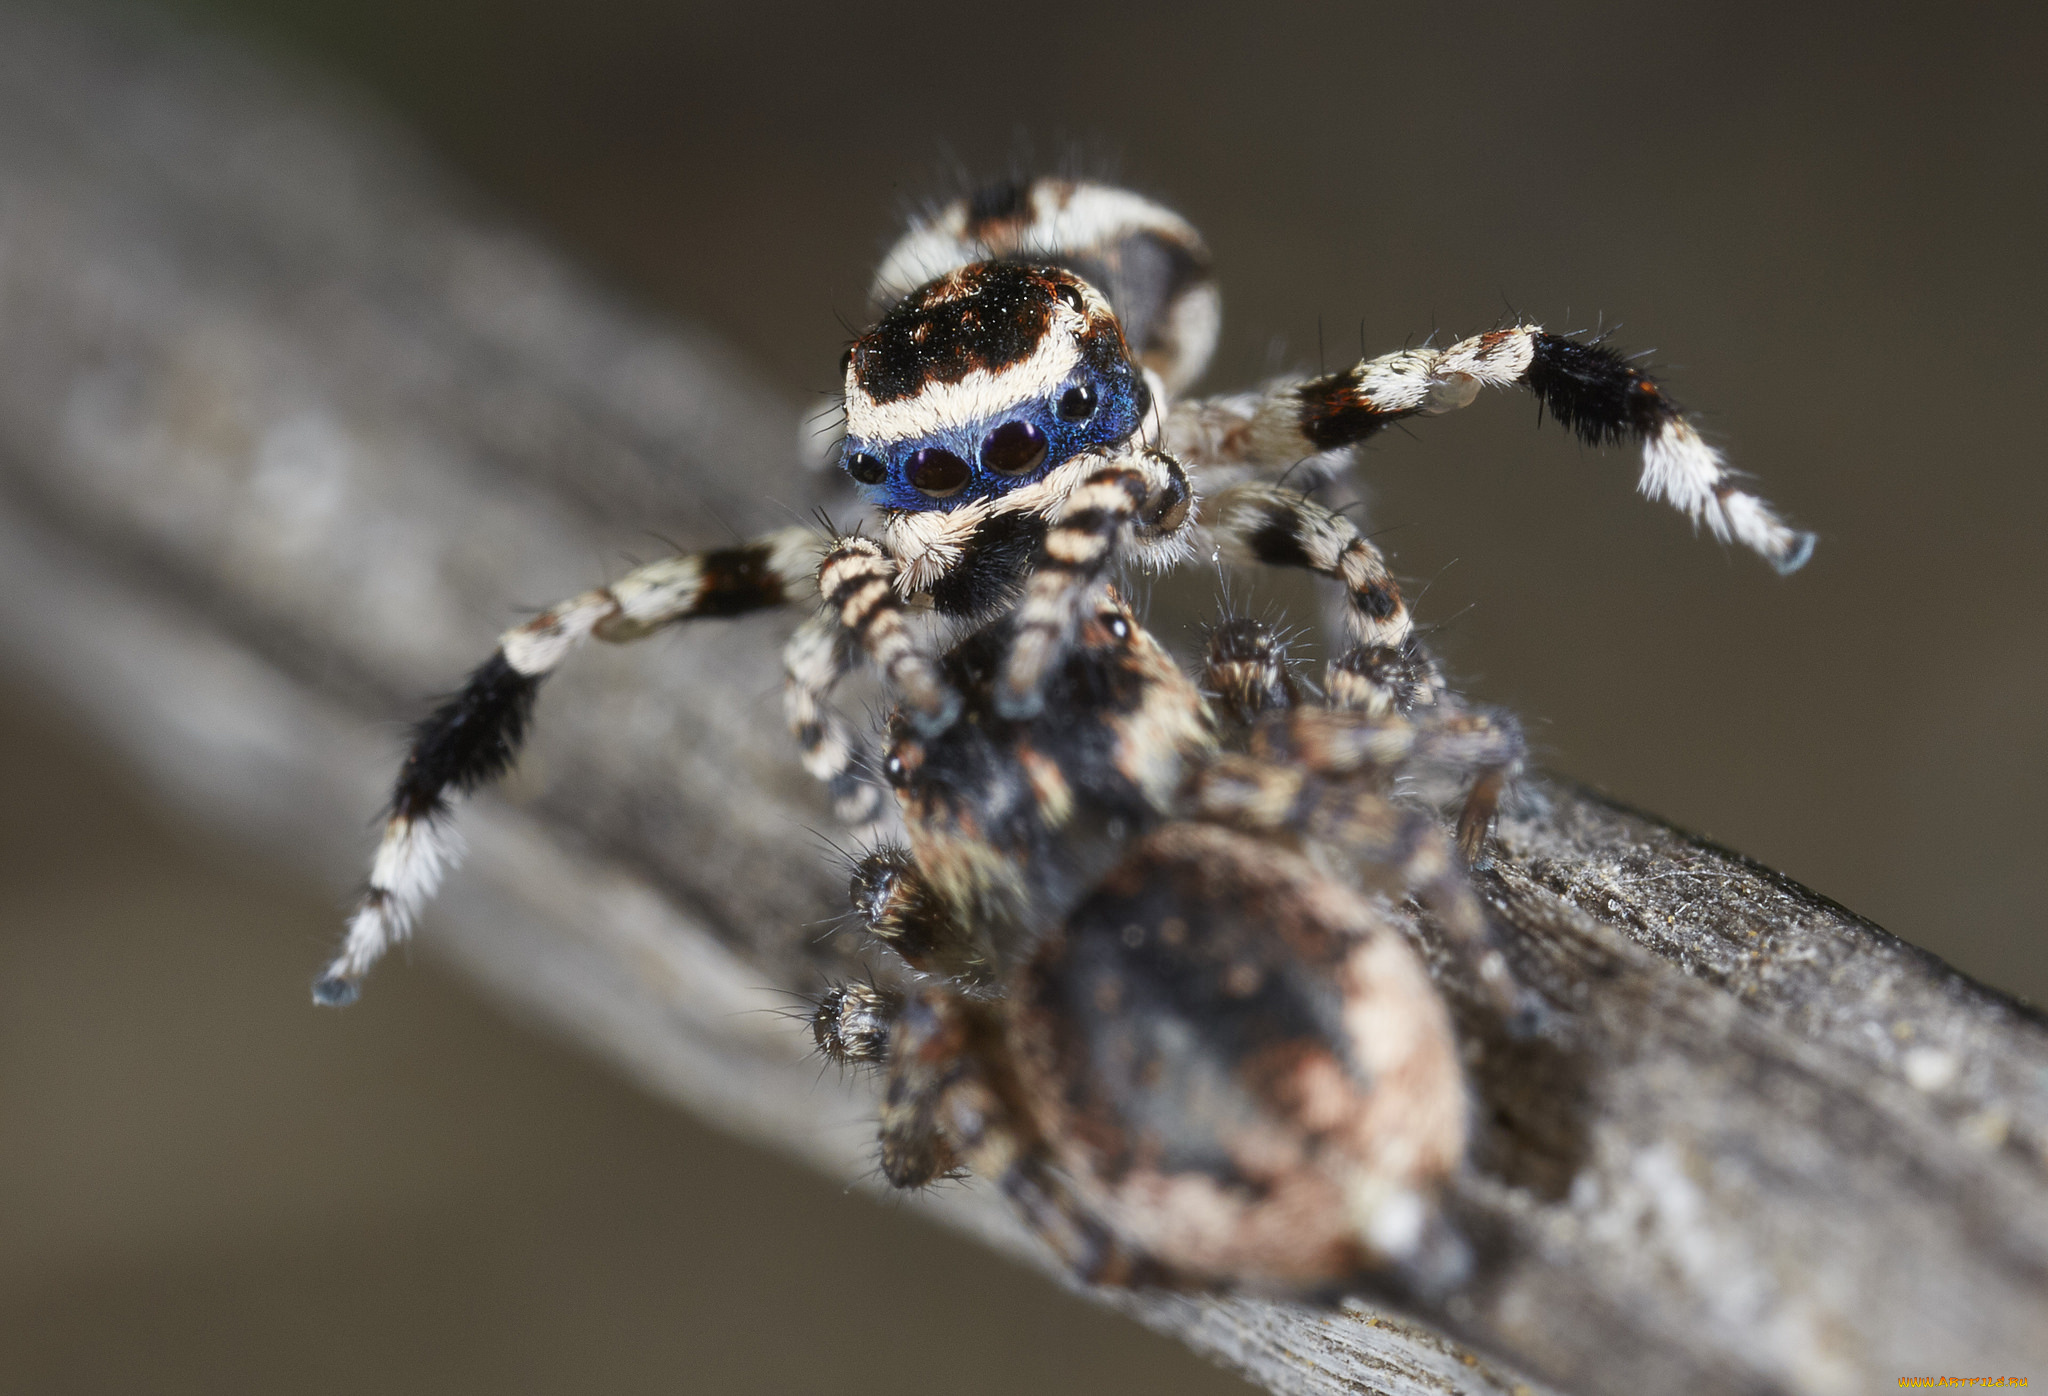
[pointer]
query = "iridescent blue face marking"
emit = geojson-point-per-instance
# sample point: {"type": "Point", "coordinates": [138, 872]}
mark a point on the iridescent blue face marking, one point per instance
{"type": "Point", "coordinates": [944, 469]}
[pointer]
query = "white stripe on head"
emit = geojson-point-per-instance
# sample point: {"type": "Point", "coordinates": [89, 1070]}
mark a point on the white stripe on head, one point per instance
{"type": "Point", "coordinates": [978, 397]}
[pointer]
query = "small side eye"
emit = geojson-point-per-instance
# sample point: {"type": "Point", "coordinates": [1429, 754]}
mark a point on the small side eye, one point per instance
{"type": "Point", "coordinates": [1070, 296]}
{"type": "Point", "coordinates": [1118, 628]}
{"type": "Point", "coordinates": [846, 362]}
{"type": "Point", "coordinates": [937, 472]}
{"type": "Point", "coordinates": [1014, 448]}
{"type": "Point", "coordinates": [867, 469]}
{"type": "Point", "coordinates": [895, 772]}
{"type": "Point", "coordinates": [1077, 404]}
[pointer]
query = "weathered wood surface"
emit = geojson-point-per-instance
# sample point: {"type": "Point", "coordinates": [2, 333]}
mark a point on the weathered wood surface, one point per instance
{"type": "Point", "coordinates": [287, 434]}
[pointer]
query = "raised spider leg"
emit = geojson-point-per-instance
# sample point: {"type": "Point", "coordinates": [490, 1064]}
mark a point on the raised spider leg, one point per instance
{"type": "Point", "coordinates": [1588, 387]}
{"type": "Point", "coordinates": [474, 737]}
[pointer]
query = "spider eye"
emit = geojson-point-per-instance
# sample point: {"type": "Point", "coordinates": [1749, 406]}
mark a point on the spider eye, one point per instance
{"type": "Point", "coordinates": [846, 362]}
{"type": "Point", "coordinates": [1077, 404]}
{"type": "Point", "coordinates": [867, 469]}
{"type": "Point", "coordinates": [937, 473]}
{"type": "Point", "coordinates": [895, 772]}
{"type": "Point", "coordinates": [1014, 448]}
{"type": "Point", "coordinates": [1069, 296]}
{"type": "Point", "coordinates": [1118, 627]}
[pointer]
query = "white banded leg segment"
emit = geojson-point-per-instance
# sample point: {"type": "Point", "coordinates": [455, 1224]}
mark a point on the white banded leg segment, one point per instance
{"type": "Point", "coordinates": [1290, 419]}
{"type": "Point", "coordinates": [1073, 565]}
{"type": "Point", "coordinates": [772, 570]}
{"type": "Point", "coordinates": [858, 581]}
{"type": "Point", "coordinates": [1685, 472]}
{"type": "Point", "coordinates": [813, 662]}
{"type": "Point", "coordinates": [1265, 524]}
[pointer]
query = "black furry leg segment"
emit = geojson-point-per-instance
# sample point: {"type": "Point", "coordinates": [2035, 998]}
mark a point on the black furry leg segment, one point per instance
{"type": "Point", "coordinates": [1604, 399]}
{"type": "Point", "coordinates": [851, 1023]}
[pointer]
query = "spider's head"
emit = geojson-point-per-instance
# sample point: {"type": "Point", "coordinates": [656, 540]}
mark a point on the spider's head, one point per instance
{"type": "Point", "coordinates": [983, 381]}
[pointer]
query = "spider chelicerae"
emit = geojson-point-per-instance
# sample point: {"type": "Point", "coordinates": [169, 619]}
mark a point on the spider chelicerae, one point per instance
{"type": "Point", "coordinates": [1153, 992]}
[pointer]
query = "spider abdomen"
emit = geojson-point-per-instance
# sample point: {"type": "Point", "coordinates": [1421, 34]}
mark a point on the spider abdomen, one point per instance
{"type": "Point", "coordinates": [1241, 1065]}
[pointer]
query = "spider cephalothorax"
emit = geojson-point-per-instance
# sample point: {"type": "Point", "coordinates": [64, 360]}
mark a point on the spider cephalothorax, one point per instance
{"type": "Point", "coordinates": [1161, 995]}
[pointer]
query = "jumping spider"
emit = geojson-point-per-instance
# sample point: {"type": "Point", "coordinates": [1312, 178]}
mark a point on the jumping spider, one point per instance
{"type": "Point", "coordinates": [1154, 994]}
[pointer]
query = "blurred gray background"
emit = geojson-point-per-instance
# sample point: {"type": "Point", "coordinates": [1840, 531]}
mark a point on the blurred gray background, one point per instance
{"type": "Point", "coordinates": [1828, 226]}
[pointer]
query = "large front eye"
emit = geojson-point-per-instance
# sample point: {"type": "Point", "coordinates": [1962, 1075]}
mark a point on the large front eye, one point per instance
{"type": "Point", "coordinates": [1014, 448]}
{"type": "Point", "coordinates": [1077, 404]}
{"type": "Point", "coordinates": [937, 473]}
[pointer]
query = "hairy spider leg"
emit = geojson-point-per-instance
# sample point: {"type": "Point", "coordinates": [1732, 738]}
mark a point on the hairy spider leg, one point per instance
{"type": "Point", "coordinates": [1281, 528]}
{"type": "Point", "coordinates": [1381, 680]}
{"type": "Point", "coordinates": [1361, 724]}
{"type": "Point", "coordinates": [857, 579]}
{"type": "Point", "coordinates": [897, 905]}
{"type": "Point", "coordinates": [814, 660]}
{"type": "Point", "coordinates": [1591, 389]}
{"type": "Point", "coordinates": [1119, 504]}
{"type": "Point", "coordinates": [474, 737]}
{"type": "Point", "coordinates": [1245, 669]}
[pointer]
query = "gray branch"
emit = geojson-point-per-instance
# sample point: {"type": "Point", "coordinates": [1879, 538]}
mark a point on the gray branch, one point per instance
{"type": "Point", "coordinates": [287, 435]}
